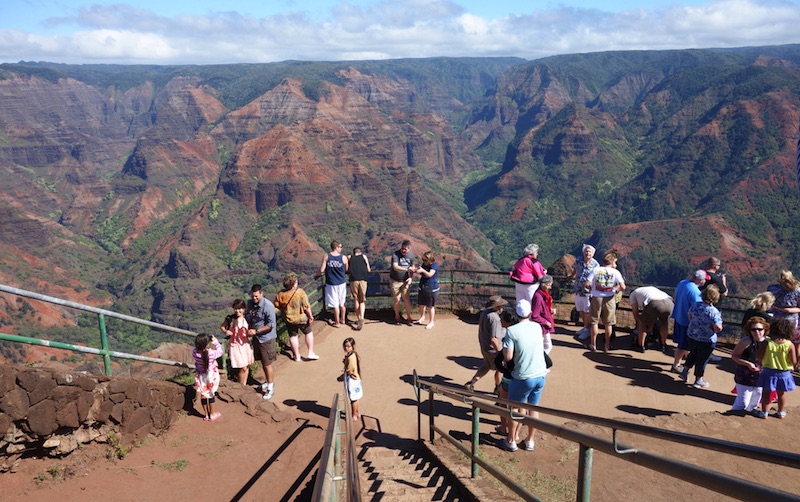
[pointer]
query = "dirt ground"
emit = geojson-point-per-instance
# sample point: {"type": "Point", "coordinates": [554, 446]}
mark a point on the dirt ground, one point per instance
{"type": "Point", "coordinates": [235, 458]}
{"type": "Point", "coordinates": [550, 472]}
{"type": "Point", "coordinates": [239, 457]}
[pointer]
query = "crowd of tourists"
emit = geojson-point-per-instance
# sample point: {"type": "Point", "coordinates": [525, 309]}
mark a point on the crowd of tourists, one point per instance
{"type": "Point", "coordinates": [250, 331]}
{"type": "Point", "coordinates": [515, 342]}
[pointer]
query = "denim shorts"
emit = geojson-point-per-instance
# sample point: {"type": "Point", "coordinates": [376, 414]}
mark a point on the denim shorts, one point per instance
{"type": "Point", "coordinates": [680, 337]}
{"type": "Point", "coordinates": [526, 391]}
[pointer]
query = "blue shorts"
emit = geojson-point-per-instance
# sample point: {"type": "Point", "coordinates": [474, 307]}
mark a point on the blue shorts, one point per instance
{"type": "Point", "coordinates": [526, 391]}
{"type": "Point", "coordinates": [680, 337]}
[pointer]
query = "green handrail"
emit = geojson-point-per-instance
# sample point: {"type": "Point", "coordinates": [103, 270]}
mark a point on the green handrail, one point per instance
{"type": "Point", "coordinates": [712, 480]}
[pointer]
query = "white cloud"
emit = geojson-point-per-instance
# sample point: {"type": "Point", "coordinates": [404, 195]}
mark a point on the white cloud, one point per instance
{"type": "Point", "coordinates": [397, 28]}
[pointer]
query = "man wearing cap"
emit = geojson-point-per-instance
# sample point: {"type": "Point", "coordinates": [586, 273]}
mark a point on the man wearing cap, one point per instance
{"type": "Point", "coordinates": [490, 338]}
{"type": "Point", "coordinates": [687, 293]}
{"type": "Point", "coordinates": [526, 345]}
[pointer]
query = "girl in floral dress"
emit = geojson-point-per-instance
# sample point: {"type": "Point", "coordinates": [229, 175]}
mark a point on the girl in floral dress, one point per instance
{"type": "Point", "coordinates": [239, 350]}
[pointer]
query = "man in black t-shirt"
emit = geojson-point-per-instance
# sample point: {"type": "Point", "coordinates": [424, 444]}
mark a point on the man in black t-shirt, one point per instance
{"type": "Point", "coordinates": [715, 276]}
{"type": "Point", "coordinates": [359, 268]}
{"type": "Point", "coordinates": [400, 276]}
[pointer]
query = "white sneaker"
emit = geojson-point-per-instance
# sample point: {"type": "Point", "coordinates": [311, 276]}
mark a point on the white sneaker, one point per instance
{"type": "Point", "coordinates": [528, 445]}
{"type": "Point", "coordinates": [714, 359]}
{"type": "Point", "coordinates": [509, 446]}
{"type": "Point", "coordinates": [268, 394]}
{"type": "Point", "coordinates": [263, 387]}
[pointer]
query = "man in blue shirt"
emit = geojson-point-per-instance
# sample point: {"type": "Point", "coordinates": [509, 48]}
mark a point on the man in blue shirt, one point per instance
{"type": "Point", "coordinates": [261, 317]}
{"type": "Point", "coordinates": [687, 293]}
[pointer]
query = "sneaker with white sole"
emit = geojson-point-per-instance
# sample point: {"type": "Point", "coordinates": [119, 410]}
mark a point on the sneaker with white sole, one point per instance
{"type": "Point", "coordinates": [268, 394]}
{"type": "Point", "coordinates": [701, 384]}
{"type": "Point", "coordinates": [528, 445]}
{"type": "Point", "coordinates": [684, 374]}
{"type": "Point", "coordinates": [714, 358]}
{"type": "Point", "coordinates": [263, 387]}
{"type": "Point", "coordinates": [509, 445]}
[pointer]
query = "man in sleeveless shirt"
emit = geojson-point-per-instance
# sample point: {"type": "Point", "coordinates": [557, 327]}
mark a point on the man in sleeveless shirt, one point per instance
{"type": "Point", "coordinates": [334, 266]}
{"type": "Point", "coordinates": [358, 268]}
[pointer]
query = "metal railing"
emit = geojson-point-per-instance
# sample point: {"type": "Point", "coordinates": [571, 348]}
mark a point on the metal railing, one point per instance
{"type": "Point", "coordinates": [712, 480]}
{"type": "Point", "coordinates": [104, 349]}
{"type": "Point", "coordinates": [336, 466]}
{"type": "Point", "coordinates": [316, 299]}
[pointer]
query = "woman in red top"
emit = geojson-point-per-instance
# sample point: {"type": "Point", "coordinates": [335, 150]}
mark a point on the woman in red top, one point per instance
{"type": "Point", "coordinates": [542, 306]}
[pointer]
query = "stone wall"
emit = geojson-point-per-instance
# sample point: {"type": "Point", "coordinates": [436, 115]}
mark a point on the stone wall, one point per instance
{"type": "Point", "coordinates": [45, 412]}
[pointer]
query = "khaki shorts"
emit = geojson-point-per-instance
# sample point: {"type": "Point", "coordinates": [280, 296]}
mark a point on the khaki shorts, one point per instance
{"type": "Point", "coordinates": [400, 289]}
{"type": "Point", "coordinates": [489, 359]}
{"type": "Point", "coordinates": [358, 290]}
{"type": "Point", "coordinates": [658, 309]}
{"type": "Point", "coordinates": [604, 309]}
{"type": "Point", "coordinates": [265, 352]}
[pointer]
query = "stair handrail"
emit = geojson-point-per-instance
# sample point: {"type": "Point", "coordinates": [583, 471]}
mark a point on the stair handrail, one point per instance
{"type": "Point", "coordinates": [718, 482]}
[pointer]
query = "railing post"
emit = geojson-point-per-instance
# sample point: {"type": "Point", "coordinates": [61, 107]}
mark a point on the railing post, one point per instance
{"type": "Point", "coordinates": [419, 407]}
{"type": "Point", "coordinates": [430, 413]}
{"type": "Point", "coordinates": [476, 422]}
{"type": "Point", "coordinates": [584, 474]}
{"type": "Point", "coordinates": [452, 291]}
{"type": "Point", "coordinates": [101, 321]}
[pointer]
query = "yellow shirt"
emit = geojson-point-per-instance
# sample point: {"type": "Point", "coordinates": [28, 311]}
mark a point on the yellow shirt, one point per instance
{"type": "Point", "coordinates": [777, 355]}
{"type": "Point", "coordinates": [351, 365]}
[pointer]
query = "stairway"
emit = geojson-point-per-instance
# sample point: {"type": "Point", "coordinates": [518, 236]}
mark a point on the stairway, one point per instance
{"type": "Point", "coordinates": [404, 472]}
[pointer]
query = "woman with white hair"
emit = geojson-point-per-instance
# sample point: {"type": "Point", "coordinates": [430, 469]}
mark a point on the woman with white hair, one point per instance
{"type": "Point", "coordinates": [581, 269]}
{"type": "Point", "coordinates": [526, 273]}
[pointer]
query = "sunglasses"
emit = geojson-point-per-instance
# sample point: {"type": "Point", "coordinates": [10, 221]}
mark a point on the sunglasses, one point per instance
{"type": "Point", "coordinates": [756, 329]}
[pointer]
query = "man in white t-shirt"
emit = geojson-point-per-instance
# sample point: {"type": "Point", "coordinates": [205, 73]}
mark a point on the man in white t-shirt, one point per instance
{"type": "Point", "coordinates": [605, 282]}
{"type": "Point", "coordinates": [655, 305]}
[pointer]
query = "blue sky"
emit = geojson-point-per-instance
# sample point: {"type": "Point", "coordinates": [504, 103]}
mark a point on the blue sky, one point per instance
{"type": "Point", "coordinates": [205, 32]}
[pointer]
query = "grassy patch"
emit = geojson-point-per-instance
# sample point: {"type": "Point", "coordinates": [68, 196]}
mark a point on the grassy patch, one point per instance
{"type": "Point", "coordinates": [176, 466]}
{"type": "Point", "coordinates": [116, 449]}
{"type": "Point", "coordinates": [536, 482]}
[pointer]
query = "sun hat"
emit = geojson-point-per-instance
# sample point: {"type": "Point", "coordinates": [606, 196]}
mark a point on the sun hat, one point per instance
{"type": "Point", "coordinates": [496, 301]}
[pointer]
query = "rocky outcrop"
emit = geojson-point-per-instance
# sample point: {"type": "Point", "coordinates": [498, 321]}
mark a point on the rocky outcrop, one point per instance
{"type": "Point", "coordinates": [47, 412]}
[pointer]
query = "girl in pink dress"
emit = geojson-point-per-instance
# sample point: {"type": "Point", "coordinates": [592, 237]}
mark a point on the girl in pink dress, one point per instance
{"type": "Point", "coordinates": [239, 349]}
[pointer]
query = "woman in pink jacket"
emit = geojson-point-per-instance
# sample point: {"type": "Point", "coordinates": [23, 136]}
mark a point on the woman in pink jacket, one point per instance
{"type": "Point", "coordinates": [526, 273]}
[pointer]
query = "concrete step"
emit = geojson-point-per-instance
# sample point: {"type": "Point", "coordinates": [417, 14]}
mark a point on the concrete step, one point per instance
{"type": "Point", "coordinates": [445, 493]}
{"type": "Point", "coordinates": [393, 474]}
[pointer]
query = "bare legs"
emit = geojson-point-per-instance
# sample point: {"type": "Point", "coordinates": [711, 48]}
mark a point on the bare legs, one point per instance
{"type": "Point", "coordinates": [243, 374]}
{"type": "Point", "coordinates": [514, 427]}
{"type": "Point", "coordinates": [294, 343]}
{"type": "Point", "coordinates": [339, 315]}
{"type": "Point", "coordinates": [421, 319]}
